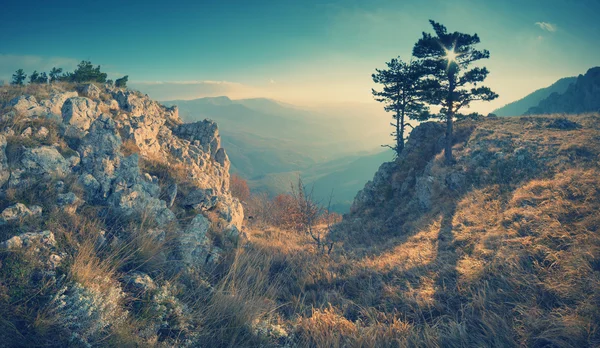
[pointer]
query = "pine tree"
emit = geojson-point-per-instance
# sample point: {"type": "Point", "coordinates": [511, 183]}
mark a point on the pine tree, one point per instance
{"type": "Point", "coordinates": [18, 78]}
{"type": "Point", "coordinates": [55, 74]}
{"type": "Point", "coordinates": [43, 78]}
{"type": "Point", "coordinates": [451, 84]}
{"type": "Point", "coordinates": [34, 76]}
{"type": "Point", "coordinates": [401, 95]}
{"type": "Point", "coordinates": [122, 82]}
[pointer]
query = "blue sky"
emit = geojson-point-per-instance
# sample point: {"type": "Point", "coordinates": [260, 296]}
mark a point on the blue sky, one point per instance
{"type": "Point", "coordinates": [297, 51]}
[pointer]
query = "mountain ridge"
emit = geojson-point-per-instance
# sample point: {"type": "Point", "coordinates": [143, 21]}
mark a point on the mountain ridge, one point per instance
{"type": "Point", "coordinates": [521, 106]}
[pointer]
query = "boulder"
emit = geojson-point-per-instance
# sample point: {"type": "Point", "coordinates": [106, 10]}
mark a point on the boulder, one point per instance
{"type": "Point", "coordinates": [27, 132]}
{"type": "Point", "coordinates": [78, 114]}
{"type": "Point", "coordinates": [27, 106]}
{"type": "Point", "coordinates": [135, 105]}
{"type": "Point", "coordinates": [55, 103]}
{"type": "Point", "coordinates": [91, 91]}
{"type": "Point", "coordinates": [19, 211]}
{"type": "Point", "coordinates": [43, 239]}
{"type": "Point", "coordinates": [424, 191]}
{"type": "Point", "coordinates": [42, 133]}
{"type": "Point", "coordinates": [43, 161]}
{"type": "Point", "coordinates": [195, 245]}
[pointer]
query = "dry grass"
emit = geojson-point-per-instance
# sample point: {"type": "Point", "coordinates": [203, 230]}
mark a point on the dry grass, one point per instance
{"type": "Point", "coordinates": [511, 260]}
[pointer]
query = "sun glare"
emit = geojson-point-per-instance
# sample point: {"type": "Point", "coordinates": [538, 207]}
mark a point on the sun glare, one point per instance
{"type": "Point", "coordinates": [451, 55]}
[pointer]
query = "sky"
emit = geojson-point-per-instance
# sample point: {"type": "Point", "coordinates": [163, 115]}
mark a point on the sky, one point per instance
{"type": "Point", "coordinates": [304, 52]}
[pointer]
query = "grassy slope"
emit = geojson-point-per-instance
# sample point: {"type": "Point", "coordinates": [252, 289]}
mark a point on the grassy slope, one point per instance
{"type": "Point", "coordinates": [512, 258]}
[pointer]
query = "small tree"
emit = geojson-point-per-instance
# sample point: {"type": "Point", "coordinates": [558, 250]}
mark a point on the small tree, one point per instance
{"type": "Point", "coordinates": [18, 78]}
{"type": "Point", "coordinates": [43, 78]}
{"type": "Point", "coordinates": [55, 74]}
{"type": "Point", "coordinates": [86, 72]}
{"type": "Point", "coordinates": [239, 188]}
{"type": "Point", "coordinates": [122, 82]}
{"type": "Point", "coordinates": [34, 76]}
{"type": "Point", "coordinates": [451, 84]}
{"type": "Point", "coordinates": [309, 214]}
{"type": "Point", "coordinates": [401, 95]}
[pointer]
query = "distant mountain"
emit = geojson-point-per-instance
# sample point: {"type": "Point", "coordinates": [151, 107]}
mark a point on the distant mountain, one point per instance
{"type": "Point", "coordinates": [580, 97]}
{"type": "Point", "coordinates": [521, 106]}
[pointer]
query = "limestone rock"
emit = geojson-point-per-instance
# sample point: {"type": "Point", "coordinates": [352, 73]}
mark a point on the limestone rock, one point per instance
{"type": "Point", "coordinates": [200, 199]}
{"type": "Point", "coordinates": [25, 240]}
{"type": "Point", "coordinates": [78, 114]}
{"type": "Point", "coordinates": [18, 212]}
{"type": "Point", "coordinates": [43, 161]}
{"type": "Point", "coordinates": [139, 283]}
{"type": "Point", "coordinates": [91, 91]}
{"type": "Point", "coordinates": [69, 201]}
{"type": "Point", "coordinates": [100, 154]}
{"type": "Point", "coordinates": [424, 190]}
{"type": "Point", "coordinates": [205, 132]}
{"type": "Point", "coordinates": [194, 242]}
{"type": "Point", "coordinates": [4, 172]}
{"type": "Point", "coordinates": [171, 194]}
{"type": "Point", "coordinates": [42, 133]}
{"type": "Point", "coordinates": [27, 106]}
{"type": "Point", "coordinates": [135, 105]}
{"type": "Point", "coordinates": [55, 103]}
{"type": "Point", "coordinates": [27, 132]}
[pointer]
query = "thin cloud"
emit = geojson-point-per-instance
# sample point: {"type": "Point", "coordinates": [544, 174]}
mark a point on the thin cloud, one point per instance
{"type": "Point", "coordinates": [9, 63]}
{"type": "Point", "coordinates": [546, 26]}
{"type": "Point", "coordinates": [191, 89]}
{"type": "Point", "coordinates": [186, 82]}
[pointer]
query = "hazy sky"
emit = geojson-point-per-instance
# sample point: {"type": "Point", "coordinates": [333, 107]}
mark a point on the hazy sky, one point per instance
{"type": "Point", "coordinates": [300, 51]}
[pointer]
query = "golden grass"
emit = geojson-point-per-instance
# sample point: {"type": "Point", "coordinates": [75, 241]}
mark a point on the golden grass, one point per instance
{"type": "Point", "coordinates": [510, 261]}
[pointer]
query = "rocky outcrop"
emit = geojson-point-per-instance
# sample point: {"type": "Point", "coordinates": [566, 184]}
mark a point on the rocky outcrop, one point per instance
{"type": "Point", "coordinates": [111, 171]}
{"type": "Point", "coordinates": [98, 122]}
{"type": "Point", "coordinates": [424, 142]}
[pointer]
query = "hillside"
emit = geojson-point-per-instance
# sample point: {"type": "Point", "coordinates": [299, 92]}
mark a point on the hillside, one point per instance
{"type": "Point", "coordinates": [501, 249]}
{"type": "Point", "coordinates": [521, 106]}
{"type": "Point", "coordinates": [581, 96]}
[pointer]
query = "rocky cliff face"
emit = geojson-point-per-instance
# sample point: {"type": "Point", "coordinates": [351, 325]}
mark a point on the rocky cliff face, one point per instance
{"type": "Point", "coordinates": [96, 127]}
{"type": "Point", "coordinates": [581, 96]}
{"type": "Point", "coordinates": [129, 167]}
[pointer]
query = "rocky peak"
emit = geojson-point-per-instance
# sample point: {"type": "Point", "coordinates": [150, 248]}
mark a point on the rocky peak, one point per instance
{"type": "Point", "coordinates": [106, 138]}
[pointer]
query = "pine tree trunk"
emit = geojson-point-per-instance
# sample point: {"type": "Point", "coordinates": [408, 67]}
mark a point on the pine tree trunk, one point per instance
{"type": "Point", "coordinates": [448, 150]}
{"type": "Point", "coordinates": [449, 118]}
